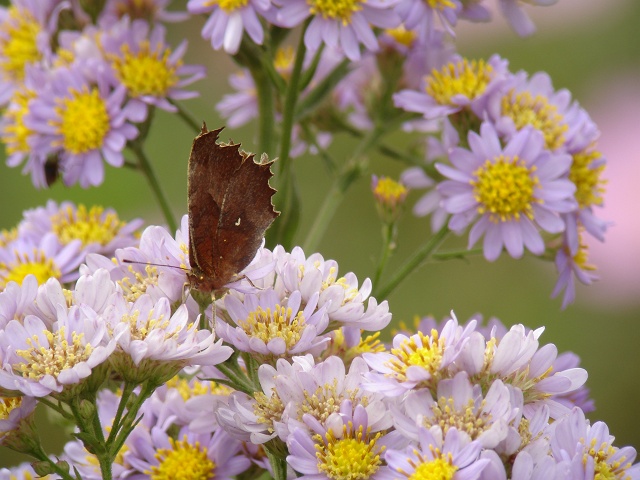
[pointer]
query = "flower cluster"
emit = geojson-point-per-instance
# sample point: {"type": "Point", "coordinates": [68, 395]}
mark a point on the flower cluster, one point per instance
{"type": "Point", "coordinates": [520, 164]}
{"type": "Point", "coordinates": [75, 97]}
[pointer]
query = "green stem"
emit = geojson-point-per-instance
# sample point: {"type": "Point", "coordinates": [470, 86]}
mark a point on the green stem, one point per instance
{"type": "Point", "coordinates": [39, 454]}
{"type": "Point", "coordinates": [388, 246]}
{"type": "Point", "coordinates": [457, 254]}
{"type": "Point", "coordinates": [147, 170]}
{"type": "Point", "coordinates": [278, 465]}
{"type": "Point", "coordinates": [238, 381]}
{"type": "Point", "coordinates": [264, 92]}
{"type": "Point", "coordinates": [412, 263]}
{"type": "Point", "coordinates": [124, 398]}
{"type": "Point", "coordinates": [187, 117]}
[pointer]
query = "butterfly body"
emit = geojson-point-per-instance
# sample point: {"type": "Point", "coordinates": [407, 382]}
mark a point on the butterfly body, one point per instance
{"type": "Point", "coordinates": [229, 205]}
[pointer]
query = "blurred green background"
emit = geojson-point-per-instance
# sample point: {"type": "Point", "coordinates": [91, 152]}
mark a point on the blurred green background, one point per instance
{"type": "Point", "coordinates": [590, 47]}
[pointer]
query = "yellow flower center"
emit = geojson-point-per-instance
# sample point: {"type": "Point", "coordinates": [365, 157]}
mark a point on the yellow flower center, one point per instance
{"type": "Point", "coordinates": [141, 329]}
{"type": "Point", "coordinates": [277, 323]}
{"type": "Point", "coordinates": [188, 389]}
{"type": "Point", "coordinates": [146, 72]}
{"type": "Point", "coordinates": [461, 78]}
{"type": "Point", "coordinates": [55, 356]}
{"type": "Point", "coordinates": [15, 134]}
{"type": "Point", "coordinates": [504, 188]}
{"type": "Point", "coordinates": [283, 61]}
{"type": "Point", "coordinates": [437, 469]}
{"type": "Point", "coordinates": [39, 265]}
{"type": "Point", "coordinates": [468, 419]}
{"type": "Point", "coordinates": [182, 461]}
{"type": "Point", "coordinates": [402, 35]}
{"type": "Point", "coordinates": [440, 4]}
{"type": "Point", "coordinates": [84, 120]}
{"type": "Point", "coordinates": [589, 185]}
{"type": "Point", "coordinates": [227, 5]}
{"type": "Point", "coordinates": [7, 405]}
{"type": "Point", "coordinates": [524, 109]}
{"type": "Point", "coordinates": [89, 226]}
{"type": "Point", "coordinates": [268, 409]}
{"type": "Point", "coordinates": [134, 289]}
{"type": "Point", "coordinates": [355, 456]}
{"type": "Point", "coordinates": [18, 43]}
{"type": "Point", "coordinates": [427, 355]}
{"type": "Point", "coordinates": [349, 292]}
{"type": "Point", "coordinates": [605, 469]}
{"type": "Point", "coordinates": [335, 9]}
{"type": "Point", "coordinates": [389, 193]}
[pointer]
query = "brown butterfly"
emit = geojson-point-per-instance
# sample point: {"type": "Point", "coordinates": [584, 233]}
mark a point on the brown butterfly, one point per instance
{"type": "Point", "coordinates": [229, 210]}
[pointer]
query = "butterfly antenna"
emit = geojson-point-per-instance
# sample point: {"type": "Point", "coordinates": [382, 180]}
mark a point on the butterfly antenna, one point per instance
{"type": "Point", "coordinates": [124, 260]}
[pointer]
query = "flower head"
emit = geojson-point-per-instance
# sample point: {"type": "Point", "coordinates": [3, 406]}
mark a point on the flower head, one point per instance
{"type": "Point", "coordinates": [507, 192]}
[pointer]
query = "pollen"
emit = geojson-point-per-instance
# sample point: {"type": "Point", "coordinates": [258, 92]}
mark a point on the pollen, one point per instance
{"type": "Point", "coordinates": [84, 120]}
{"type": "Point", "coordinates": [440, 467]}
{"type": "Point", "coordinates": [196, 388]}
{"type": "Point", "coordinates": [227, 6]}
{"type": "Point", "coordinates": [605, 468]}
{"type": "Point", "coordinates": [7, 405]}
{"type": "Point", "coordinates": [524, 109]}
{"type": "Point", "coordinates": [18, 43]}
{"type": "Point", "coordinates": [88, 225]}
{"type": "Point", "coordinates": [182, 460]}
{"type": "Point", "coordinates": [349, 292]}
{"type": "Point", "coordinates": [402, 35]}
{"type": "Point", "coordinates": [140, 329]}
{"type": "Point", "coordinates": [505, 189]}
{"type": "Point", "coordinates": [57, 354]}
{"type": "Point", "coordinates": [440, 4]}
{"type": "Point", "coordinates": [467, 78]}
{"type": "Point", "coordinates": [277, 323]}
{"type": "Point", "coordinates": [354, 456]}
{"type": "Point", "coordinates": [467, 419]}
{"type": "Point", "coordinates": [38, 264]}
{"type": "Point", "coordinates": [326, 400]}
{"type": "Point", "coordinates": [133, 289]}
{"type": "Point", "coordinates": [15, 134]}
{"type": "Point", "coordinates": [335, 9]}
{"type": "Point", "coordinates": [146, 72]}
{"type": "Point", "coordinates": [389, 193]}
{"type": "Point", "coordinates": [268, 409]}
{"type": "Point", "coordinates": [427, 353]}
{"type": "Point", "coordinates": [587, 178]}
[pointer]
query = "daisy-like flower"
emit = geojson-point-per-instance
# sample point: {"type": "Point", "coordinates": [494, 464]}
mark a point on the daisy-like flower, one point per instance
{"type": "Point", "coordinates": [81, 122]}
{"type": "Point", "coordinates": [459, 85]}
{"type": "Point", "coordinates": [25, 33]}
{"type": "Point", "coordinates": [415, 362]}
{"type": "Point", "coordinates": [518, 18]}
{"type": "Point", "coordinates": [420, 15]}
{"type": "Point", "coordinates": [589, 449]}
{"type": "Point", "coordinates": [154, 343]}
{"type": "Point", "coordinates": [44, 259]}
{"type": "Point", "coordinates": [152, 73]}
{"type": "Point", "coordinates": [346, 448]}
{"type": "Point", "coordinates": [100, 230]}
{"type": "Point", "coordinates": [346, 24]}
{"type": "Point", "coordinates": [155, 454]}
{"type": "Point", "coordinates": [15, 414]}
{"type": "Point", "coordinates": [16, 300]}
{"type": "Point", "coordinates": [341, 296]}
{"type": "Point", "coordinates": [517, 360]}
{"type": "Point", "coordinates": [461, 405]}
{"type": "Point", "coordinates": [507, 192]}
{"type": "Point", "coordinates": [240, 107]}
{"type": "Point", "coordinates": [273, 327]}
{"type": "Point", "coordinates": [59, 359]}
{"type": "Point", "coordinates": [448, 456]}
{"type": "Point", "coordinates": [228, 21]}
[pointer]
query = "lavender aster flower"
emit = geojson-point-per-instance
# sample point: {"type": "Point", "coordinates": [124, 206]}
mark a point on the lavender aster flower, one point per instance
{"type": "Point", "coordinates": [416, 362]}
{"type": "Point", "coordinates": [14, 412]}
{"type": "Point", "coordinates": [99, 230]}
{"type": "Point", "coordinates": [81, 122]}
{"type": "Point", "coordinates": [345, 24]}
{"type": "Point", "coordinates": [517, 17]}
{"type": "Point", "coordinates": [154, 343]}
{"type": "Point", "coordinates": [348, 448]}
{"type": "Point", "coordinates": [439, 456]}
{"type": "Point", "coordinates": [229, 20]}
{"type": "Point", "coordinates": [150, 10]}
{"type": "Point", "coordinates": [240, 107]}
{"type": "Point", "coordinates": [571, 267]}
{"type": "Point", "coordinates": [152, 73]}
{"type": "Point", "coordinates": [420, 15]}
{"type": "Point", "coordinates": [459, 84]}
{"type": "Point", "coordinates": [507, 192]}
{"type": "Point", "coordinates": [44, 259]}
{"type": "Point", "coordinates": [155, 454]}
{"type": "Point", "coordinates": [589, 449]}
{"type": "Point", "coordinates": [16, 299]}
